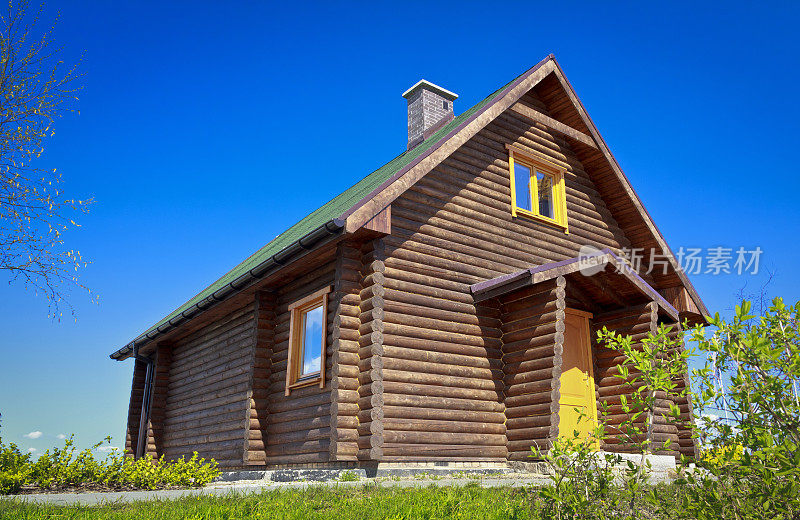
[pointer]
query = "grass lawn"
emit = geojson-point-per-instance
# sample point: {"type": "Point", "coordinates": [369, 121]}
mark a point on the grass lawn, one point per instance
{"type": "Point", "coordinates": [367, 502]}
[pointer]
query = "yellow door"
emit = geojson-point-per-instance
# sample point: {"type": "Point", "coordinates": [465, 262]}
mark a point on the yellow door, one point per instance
{"type": "Point", "coordinates": [577, 378]}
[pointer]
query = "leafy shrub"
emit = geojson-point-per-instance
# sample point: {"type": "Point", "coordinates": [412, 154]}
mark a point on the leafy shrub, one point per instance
{"type": "Point", "coordinates": [14, 468]}
{"type": "Point", "coordinates": [650, 368]}
{"type": "Point", "coordinates": [722, 455]}
{"type": "Point", "coordinates": [749, 467]}
{"type": "Point", "coordinates": [752, 466]}
{"type": "Point", "coordinates": [582, 478]}
{"type": "Point", "coordinates": [63, 467]}
{"type": "Point", "coordinates": [149, 474]}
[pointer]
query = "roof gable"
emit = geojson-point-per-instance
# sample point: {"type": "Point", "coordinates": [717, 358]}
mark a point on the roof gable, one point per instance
{"type": "Point", "coordinates": [568, 117]}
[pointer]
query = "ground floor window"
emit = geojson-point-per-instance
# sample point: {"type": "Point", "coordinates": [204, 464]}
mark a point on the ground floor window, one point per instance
{"type": "Point", "coordinates": [307, 333]}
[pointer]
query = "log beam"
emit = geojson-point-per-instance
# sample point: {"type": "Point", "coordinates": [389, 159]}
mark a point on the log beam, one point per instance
{"type": "Point", "coordinates": [382, 222]}
{"type": "Point", "coordinates": [553, 124]}
{"type": "Point", "coordinates": [579, 294]}
{"type": "Point", "coordinates": [607, 289]}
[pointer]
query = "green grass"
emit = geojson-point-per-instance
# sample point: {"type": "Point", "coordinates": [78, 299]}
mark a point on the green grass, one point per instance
{"type": "Point", "coordinates": [362, 503]}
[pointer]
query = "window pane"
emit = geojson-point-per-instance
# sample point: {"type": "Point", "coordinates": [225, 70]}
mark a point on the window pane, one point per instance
{"type": "Point", "coordinates": [522, 180]}
{"type": "Point", "coordinates": [312, 341]}
{"type": "Point", "coordinates": [545, 195]}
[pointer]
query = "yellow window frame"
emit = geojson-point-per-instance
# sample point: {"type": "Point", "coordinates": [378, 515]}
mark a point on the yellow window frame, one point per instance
{"type": "Point", "coordinates": [294, 376]}
{"type": "Point", "coordinates": [542, 165]}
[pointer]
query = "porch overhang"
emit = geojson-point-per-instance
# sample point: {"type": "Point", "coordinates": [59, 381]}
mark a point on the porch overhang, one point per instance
{"type": "Point", "coordinates": [598, 280]}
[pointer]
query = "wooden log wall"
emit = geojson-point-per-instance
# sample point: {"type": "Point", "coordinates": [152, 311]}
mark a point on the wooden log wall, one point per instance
{"type": "Point", "coordinates": [441, 369]}
{"type": "Point", "coordinates": [155, 427]}
{"type": "Point", "coordinates": [687, 444]}
{"type": "Point", "coordinates": [345, 302]}
{"type": "Point", "coordinates": [257, 414]}
{"type": "Point", "coordinates": [371, 351]}
{"type": "Point", "coordinates": [298, 425]}
{"type": "Point", "coordinates": [637, 322]}
{"type": "Point", "coordinates": [533, 344]}
{"type": "Point", "coordinates": [155, 430]}
{"type": "Point", "coordinates": [225, 387]}
{"type": "Point", "coordinates": [663, 428]}
{"type": "Point", "coordinates": [207, 393]}
{"type": "Point", "coordinates": [135, 407]}
{"type": "Point", "coordinates": [443, 378]}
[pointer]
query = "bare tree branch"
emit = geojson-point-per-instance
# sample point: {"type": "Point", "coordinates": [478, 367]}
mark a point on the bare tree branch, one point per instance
{"type": "Point", "coordinates": [36, 88]}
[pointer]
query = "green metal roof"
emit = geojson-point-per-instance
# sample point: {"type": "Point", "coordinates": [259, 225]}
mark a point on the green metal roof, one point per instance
{"type": "Point", "coordinates": [328, 212]}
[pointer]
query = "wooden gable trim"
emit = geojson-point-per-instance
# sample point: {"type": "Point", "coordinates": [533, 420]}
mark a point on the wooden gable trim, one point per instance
{"type": "Point", "coordinates": [680, 298]}
{"type": "Point", "coordinates": [382, 222]}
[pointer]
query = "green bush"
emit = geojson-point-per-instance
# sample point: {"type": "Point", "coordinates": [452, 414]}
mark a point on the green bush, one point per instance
{"type": "Point", "coordinates": [749, 467]}
{"type": "Point", "coordinates": [144, 473]}
{"type": "Point", "coordinates": [582, 480]}
{"type": "Point", "coordinates": [67, 467]}
{"type": "Point", "coordinates": [15, 468]}
{"type": "Point", "coordinates": [753, 464]}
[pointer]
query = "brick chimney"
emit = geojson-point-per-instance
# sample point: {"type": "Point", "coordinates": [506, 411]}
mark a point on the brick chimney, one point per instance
{"type": "Point", "coordinates": [429, 108]}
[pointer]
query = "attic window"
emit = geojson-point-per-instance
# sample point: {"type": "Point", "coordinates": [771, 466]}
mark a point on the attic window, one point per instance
{"type": "Point", "coordinates": [307, 333]}
{"type": "Point", "coordinates": [444, 105]}
{"type": "Point", "coordinates": [537, 188]}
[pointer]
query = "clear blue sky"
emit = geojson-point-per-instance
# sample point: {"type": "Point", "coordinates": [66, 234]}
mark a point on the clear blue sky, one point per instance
{"type": "Point", "coordinates": [207, 129]}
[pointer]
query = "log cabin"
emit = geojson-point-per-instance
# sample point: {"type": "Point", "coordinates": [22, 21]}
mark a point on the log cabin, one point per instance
{"type": "Point", "coordinates": [442, 310]}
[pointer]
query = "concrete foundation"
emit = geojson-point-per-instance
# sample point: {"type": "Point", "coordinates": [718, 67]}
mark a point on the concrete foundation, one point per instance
{"type": "Point", "coordinates": [661, 466]}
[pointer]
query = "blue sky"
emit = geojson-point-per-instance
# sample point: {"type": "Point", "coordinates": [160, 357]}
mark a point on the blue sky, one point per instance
{"type": "Point", "coordinates": [207, 129]}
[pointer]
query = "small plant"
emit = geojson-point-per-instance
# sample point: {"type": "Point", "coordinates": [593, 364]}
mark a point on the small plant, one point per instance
{"type": "Point", "coordinates": [722, 455]}
{"type": "Point", "coordinates": [426, 476]}
{"type": "Point", "coordinates": [651, 370]}
{"type": "Point", "coordinates": [582, 478]}
{"type": "Point", "coordinates": [349, 476]}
